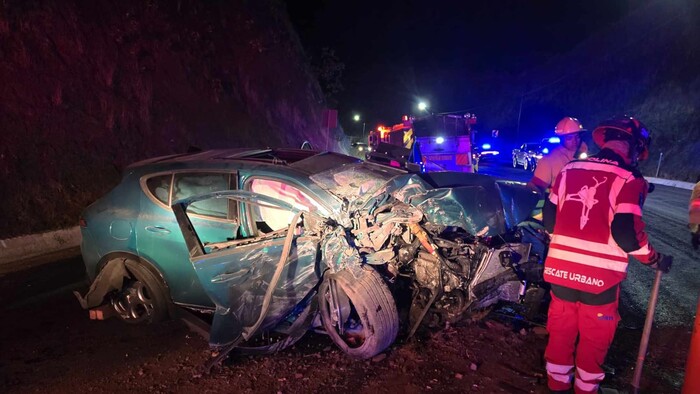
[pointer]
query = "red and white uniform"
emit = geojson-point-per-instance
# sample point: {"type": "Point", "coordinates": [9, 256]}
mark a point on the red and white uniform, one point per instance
{"type": "Point", "coordinates": [594, 214]}
{"type": "Point", "coordinates": [694, 209]}
{"type": "Point", "coordinates": [598, 223]}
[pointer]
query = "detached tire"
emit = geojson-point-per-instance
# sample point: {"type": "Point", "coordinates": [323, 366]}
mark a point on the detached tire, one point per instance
{"type": "Point", "coordinates": [368, 321]}
{"type": "Point", "coordinates": [143, 298]}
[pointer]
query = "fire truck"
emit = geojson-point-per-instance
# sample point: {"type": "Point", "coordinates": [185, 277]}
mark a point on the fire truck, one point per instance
{"type": "Point", "coordinates": [429, 143]}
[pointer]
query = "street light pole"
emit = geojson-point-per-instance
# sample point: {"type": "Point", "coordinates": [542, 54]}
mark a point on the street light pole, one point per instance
{"type": "Point", "coordinates": [520, 111]}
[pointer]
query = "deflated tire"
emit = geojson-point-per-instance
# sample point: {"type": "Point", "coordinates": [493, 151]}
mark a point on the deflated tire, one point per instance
{"type": "Point", "coordinates": [359, 314]}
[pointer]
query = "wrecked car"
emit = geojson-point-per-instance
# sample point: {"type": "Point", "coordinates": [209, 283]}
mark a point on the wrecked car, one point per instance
{"type": "Point", "coordinates": [273, 243]}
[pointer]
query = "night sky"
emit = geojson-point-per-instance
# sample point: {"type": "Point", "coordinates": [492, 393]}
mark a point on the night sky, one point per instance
{"type": "Point", "coordinates": [399, 52]}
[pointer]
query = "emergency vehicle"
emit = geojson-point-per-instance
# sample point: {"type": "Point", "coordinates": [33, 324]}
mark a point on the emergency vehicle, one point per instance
{"type": "Point", "coordinates": [433, 142]}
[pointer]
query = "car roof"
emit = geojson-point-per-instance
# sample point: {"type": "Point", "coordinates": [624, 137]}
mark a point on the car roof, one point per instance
{"type": "Point", "coordinates": [273, 156]}
{"type": "Point", "coordinates": [300, 161]}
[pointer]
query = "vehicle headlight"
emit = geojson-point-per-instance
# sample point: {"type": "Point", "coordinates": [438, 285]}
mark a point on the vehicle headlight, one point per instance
{"type": "Point", "coordinates": [583, 155]}
{"type": "Point", "coordinates": [538, 156]}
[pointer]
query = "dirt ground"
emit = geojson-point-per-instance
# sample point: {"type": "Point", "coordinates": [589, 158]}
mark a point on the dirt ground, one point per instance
{"type": "Point", "coordinates": [50, 345]}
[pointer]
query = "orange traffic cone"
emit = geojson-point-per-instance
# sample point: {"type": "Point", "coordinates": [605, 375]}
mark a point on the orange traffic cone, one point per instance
{"type": "Point", "coordinates": [691, 384]}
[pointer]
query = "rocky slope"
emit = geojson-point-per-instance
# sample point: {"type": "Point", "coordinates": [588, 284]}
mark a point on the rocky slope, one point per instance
{"type": "Point", "coordinates": [89, 87]}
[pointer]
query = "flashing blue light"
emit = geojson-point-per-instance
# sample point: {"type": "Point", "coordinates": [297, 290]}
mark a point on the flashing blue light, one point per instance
{"type": "Point", "coordinates": [545, 150]}
{"type": "Point", "coordinates": [439, 140]}
{"type": "Point", "coordinates": [554, 140]}
{"type": "Point", "coordinates": [486, 146]}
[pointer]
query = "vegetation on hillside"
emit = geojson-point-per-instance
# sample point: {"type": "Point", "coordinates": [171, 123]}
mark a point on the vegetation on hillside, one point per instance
{"type": "Point", "coordinates": [89, 87]}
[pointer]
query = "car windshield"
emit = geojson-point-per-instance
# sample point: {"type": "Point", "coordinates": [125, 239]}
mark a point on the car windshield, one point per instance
{"type": "Point", "coordinates": [356, 181]}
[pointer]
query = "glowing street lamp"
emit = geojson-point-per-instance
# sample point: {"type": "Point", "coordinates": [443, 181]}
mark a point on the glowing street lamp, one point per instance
{"type": "Point", "coordinates": [422, 106]}
{"type": "Point", "coordinates": [356, 118]}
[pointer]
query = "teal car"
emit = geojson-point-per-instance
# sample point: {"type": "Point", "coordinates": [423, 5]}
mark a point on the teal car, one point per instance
{"type": "Point", "coordinates": [283, 241]}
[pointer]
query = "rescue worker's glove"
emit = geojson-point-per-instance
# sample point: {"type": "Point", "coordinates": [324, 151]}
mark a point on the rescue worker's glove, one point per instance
{"type": "Point", "coordinates": [695, 240]}
{"type": "Point", "coordinates": [662, 263]}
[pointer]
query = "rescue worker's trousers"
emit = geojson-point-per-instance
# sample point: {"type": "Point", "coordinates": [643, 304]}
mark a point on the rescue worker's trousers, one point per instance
{"type": "Point", "coordinates": [594, 326]}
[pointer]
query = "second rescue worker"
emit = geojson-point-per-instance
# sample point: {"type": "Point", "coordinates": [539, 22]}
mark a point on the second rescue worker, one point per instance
{"type": "Point", "coordinates": [569, 132]}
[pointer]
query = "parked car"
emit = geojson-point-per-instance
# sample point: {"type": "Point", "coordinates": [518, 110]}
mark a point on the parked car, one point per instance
{"type": "Point", "coordinates": [527, 155]}
{"type": "Point", "coordinates": [485, 152]}
{"type": "Point", "coordinates": [361, 147]}
{"type": "Point", "coordinates": [275, 242]}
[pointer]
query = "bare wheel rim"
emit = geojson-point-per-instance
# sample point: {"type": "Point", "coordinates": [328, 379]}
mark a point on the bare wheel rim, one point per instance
{"type": "Point", "coordinates": [515, 162]}
{"type": "Point", "coordinates": [134, 302]}
{"type": "Point", "coordinates": [342, 313]}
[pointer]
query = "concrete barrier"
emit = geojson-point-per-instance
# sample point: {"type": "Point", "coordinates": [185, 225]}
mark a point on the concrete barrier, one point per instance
{"type": "Point", "coordinates": [27, 246]}
{"type": "Point", "coordinates": [670, 182]}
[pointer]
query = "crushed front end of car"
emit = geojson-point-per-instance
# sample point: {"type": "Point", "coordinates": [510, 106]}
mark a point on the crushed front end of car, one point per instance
{"type": "Point", "coordinates": [452, 241]}
{"type": "Point", "coordinates": [437, 246]}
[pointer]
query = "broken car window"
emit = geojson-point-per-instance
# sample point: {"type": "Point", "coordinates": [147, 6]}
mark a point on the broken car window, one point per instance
{"type": "Point", "coordinates": [192, 184]}
{"type": "Point", "coordinates": [159, 187]}
{"type": "Point", "coordinates": [270, 218]}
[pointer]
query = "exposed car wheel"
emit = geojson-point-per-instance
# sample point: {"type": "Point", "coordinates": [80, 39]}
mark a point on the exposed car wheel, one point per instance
{"type": "Point", "coordinates": [515, 162]}
{"type": "Point", "coordinates": [526, 165]}
{"type": "Point", "coordinates": [142, 298]}
{"type": "Point", "coordinates": [532, 166]}
{"type": "Point", "coordinates": [359, 314]}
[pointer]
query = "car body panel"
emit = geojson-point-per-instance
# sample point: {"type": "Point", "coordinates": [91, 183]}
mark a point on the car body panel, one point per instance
{"type": "Point", "coordinates": [155, 239]}
{"type": "Point", "coordinates": [342, 188]}
{"type": "Point", "coordinates": [237, 274]}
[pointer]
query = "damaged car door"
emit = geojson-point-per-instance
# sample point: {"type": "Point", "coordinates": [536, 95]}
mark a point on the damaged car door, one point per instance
{"type": "Point", "coordinates": [259, 282]}
{"type": "Point", "coordinates": [277, 281]}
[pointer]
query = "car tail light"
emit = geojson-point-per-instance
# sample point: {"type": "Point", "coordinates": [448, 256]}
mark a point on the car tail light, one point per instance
{"type": "Point", "coordinates": [82, 222]}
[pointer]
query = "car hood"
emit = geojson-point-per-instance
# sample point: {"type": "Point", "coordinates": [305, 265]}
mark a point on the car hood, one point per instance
{"type": "Point", "coordinates": [479, 204]}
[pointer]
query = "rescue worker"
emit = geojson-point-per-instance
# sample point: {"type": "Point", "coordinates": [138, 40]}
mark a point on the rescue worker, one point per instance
{"type": "Point", "coordinates": [548, 167]}
{"type": "Point", "coordinates": [594, 213]}
{"type": "Point", "coordinates": [694, 216]}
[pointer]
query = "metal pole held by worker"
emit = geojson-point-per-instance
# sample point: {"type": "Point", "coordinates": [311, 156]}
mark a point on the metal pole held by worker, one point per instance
{"type": "Point", "coordinates": [644, 344]}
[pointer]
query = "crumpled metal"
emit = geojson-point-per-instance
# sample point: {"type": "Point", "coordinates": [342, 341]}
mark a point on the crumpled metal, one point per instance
{"type": "Point", "coordinates": [237, 282]}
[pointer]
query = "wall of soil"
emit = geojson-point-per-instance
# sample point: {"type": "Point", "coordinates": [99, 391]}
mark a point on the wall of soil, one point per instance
{"type": "Point", "coordinates": [89, 87]}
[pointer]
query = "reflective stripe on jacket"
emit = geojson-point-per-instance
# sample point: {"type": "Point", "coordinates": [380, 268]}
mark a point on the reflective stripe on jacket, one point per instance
{"type": "Point", "coordinates": [597, 224]}
{"type": "Point", "coordinates": [694, 207]}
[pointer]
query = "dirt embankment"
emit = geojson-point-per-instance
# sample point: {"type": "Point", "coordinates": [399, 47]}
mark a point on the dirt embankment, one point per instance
{"type": "Point", "coordinates": [89, 87]}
